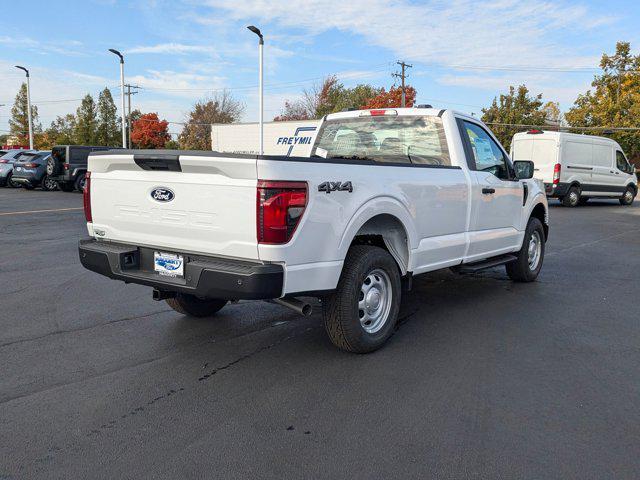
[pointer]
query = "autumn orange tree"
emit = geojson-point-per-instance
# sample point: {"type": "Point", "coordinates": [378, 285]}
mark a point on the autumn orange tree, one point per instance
{"type": "Point", "coordinates": [149, 131]}
{"type": "Point", "coordinates": [392, 98]}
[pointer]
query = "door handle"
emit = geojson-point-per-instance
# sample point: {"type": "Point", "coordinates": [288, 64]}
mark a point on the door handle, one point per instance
{"type": "Point", "coordinates": [488, 191]}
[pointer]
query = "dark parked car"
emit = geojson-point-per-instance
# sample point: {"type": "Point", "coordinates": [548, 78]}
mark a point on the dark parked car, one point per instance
{"type": "Point", "coordinates": [30, 171]}
{"type": "Point", "coordinates": [6, 167]}
{"type": "Point", "coordinates": [68, 165]}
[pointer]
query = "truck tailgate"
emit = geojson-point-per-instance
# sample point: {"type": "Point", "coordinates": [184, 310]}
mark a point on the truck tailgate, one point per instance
{"type": "Point", "coordinates": [208, 205]}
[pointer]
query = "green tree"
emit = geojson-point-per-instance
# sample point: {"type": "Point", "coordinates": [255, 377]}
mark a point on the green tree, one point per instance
{"type": "Point", "coordinates": [221, 108]}
{"type": "Point", "coordinates": [516, 107]}
{"type": "Point", "coordinates": [614, 100]}
{"type": "Point", "coordinates": [61, 131]}
{"type": "Point", "coordinates": [86, 131]}
{"type": "Point", "coordinates": [108, 131]}
{"type": "Point", "coordinates": [19, 121]}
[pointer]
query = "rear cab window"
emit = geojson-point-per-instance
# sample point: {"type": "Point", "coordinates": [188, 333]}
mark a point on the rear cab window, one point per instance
{"type": "Point", "coordinates": [407, 139]}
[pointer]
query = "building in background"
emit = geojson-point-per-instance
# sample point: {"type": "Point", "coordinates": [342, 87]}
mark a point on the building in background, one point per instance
{"type": "Point", "coordinates": [292, 139]}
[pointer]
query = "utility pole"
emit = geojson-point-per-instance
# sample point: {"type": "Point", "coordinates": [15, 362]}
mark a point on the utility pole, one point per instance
{"type": "Point", "coordinates": [129, 93]}
{"type": "Point", "coordinates": [402, 76]}
{"type": "Point", "coordinates": [28, 107]}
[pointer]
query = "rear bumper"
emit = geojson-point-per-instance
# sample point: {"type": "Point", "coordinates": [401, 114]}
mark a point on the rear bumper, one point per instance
{"type": "Point", "coordinates": [556, 190]}
{"type": "Point", "coordinates": [207, 277]}
{"type": "Point", "coordinates": [28, 179]}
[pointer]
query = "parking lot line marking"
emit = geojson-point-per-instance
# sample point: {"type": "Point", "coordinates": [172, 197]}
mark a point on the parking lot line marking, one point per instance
{"type": "Point", "coordinates": [41, 211]}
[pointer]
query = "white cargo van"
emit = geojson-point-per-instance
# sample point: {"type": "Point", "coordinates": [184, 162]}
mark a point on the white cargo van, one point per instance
{"type": "Point", "coordinates": [575, 167]}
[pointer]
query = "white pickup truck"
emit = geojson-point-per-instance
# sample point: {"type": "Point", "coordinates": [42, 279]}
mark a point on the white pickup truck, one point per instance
{"type": "Point", "coordinates": [385, 195]}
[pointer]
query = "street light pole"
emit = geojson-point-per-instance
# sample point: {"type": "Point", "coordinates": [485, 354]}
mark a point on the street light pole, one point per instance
{"type": "Point", "coordinates": [28, 108]}
{"type": "Point", "coordinates": [260, 85]}
{"type": "Point", "coordinates": [124, 120]}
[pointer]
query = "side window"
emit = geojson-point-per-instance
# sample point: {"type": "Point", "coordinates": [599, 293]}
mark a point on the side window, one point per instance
{"type": "Point", "coordinates": [488, 156]}
{"type": "Point", "coordinates": [621, 162]}
{"type": "Point", "coordinates": [78, 155]}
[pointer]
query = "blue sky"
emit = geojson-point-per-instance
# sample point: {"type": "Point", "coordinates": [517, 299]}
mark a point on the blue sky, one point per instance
{"type": "Point", "coordinates": [464, 52]}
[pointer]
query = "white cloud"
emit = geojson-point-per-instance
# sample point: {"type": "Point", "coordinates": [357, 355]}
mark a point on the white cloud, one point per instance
{"type": "Point", "coordinates": [172, 49]}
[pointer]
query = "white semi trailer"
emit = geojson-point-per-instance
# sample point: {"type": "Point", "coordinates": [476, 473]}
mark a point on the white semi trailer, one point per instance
{"type": "Point", "coordinates": [291, 139]}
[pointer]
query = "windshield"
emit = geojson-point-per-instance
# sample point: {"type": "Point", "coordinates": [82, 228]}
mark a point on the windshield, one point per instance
{"type": "Point", "coordinates": [408, 139]}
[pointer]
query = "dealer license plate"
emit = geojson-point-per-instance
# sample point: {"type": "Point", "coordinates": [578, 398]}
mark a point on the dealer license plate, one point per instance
{"type": "Point", "coordinates": [168, 264]}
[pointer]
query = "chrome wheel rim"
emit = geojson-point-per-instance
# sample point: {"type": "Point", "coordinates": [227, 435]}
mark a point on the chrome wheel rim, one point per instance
{"type": "Point", "coordinates": [573, 198]}
{"type": "Point", "coordinates": [628, 196]}
{"type": "Point", "coordinates": [374, 303]}
{"type": "Point", "coordinates": [49, 184]}
{"type": "Point", "coordinates": [534, 250]}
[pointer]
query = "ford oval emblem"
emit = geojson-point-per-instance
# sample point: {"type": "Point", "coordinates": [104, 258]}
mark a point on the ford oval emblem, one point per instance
{"type": "Point", "coordinates": [162, 194]}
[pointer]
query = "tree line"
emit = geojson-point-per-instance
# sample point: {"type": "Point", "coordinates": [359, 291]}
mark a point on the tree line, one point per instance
{"type": "Point", "coordinates": [613, 101]}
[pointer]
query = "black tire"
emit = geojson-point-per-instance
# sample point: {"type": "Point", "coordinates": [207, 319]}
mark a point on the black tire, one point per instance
{"type": "Point", "coordinates": [80, 181]}
{"type": "Point", "coordinates": [65, 187]}
{"type": "Point", "coordinates": [521, 270]}
{"type": "Point", "coordinates": [52, 166]}
{"type": "Point", "coordinates": [11, 183]}
{"type": "Point", "coordinates": [48, 184]}
{"type": "Point", "coordinates": [583, 200]}
{"type": "Point", "coordinates": [194, 306]}
{"type": "Point", "coordinates": [628, 196]}
{"type": "Point", "coordinates": [572, 198]}
{"type": "Point", "coordinates": [341, 311]}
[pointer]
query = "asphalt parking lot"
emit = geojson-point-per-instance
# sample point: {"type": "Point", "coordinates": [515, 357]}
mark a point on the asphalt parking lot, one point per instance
{"type": "Point", "coordinates": [483, 379]}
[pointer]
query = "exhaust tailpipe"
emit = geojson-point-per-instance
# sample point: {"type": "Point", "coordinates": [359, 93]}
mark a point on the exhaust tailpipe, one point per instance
{"type": "Point", "coordinates": [303, 308]}
{"type": "Point", "coordinates": [159, 295]}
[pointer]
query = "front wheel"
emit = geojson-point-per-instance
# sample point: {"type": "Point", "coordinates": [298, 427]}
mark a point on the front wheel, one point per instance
{"type": "Point", "coordinates": [196, 307]}
{"type": "Point", "coordinates": [628, 196]}
{"type": "Point", "coordinates": [361, 314]}
{"type": "Point", "coordinates": [529, 262]}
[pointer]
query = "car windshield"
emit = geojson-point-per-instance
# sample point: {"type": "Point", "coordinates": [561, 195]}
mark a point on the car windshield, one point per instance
{"type": "Point", "coordinates": [405, 139]}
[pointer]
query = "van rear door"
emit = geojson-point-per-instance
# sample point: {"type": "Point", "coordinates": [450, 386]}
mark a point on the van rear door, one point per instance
{"type": "Point", "coordinates": [539, 149]}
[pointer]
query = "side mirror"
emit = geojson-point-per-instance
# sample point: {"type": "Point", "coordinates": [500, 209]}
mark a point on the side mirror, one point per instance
{"type": "Point", "coordinates": [524, 169]}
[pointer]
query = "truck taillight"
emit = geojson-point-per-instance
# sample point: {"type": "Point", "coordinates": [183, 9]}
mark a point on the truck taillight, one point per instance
{"type": "Point", "coordinates": [556, 173]}
{"type": "Point", "coordinates": [86, 197]}
{"type": "Point", "coordinates": [279, 208]}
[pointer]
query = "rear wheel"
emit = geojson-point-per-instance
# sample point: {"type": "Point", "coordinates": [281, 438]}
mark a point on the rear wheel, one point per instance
{"type": "Point", "coordinates": [529, 262]}
{"type": "Point", "coordinates": [628, 196]}
{"type": "Point", "coordinates": [361, 314]}
{"type": "Point", "coordinates": [49, 184]}
{"type": "Point", "coordinates": [80, 181]}
{"type": "Point", "coordinates": [196, 307]}
{"type": "Point", "coordinates": [572, 198]}
{"type": "Point", "coordinates": [11, 183]}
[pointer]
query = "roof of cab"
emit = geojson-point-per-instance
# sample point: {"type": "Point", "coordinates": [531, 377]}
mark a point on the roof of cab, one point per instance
{"type": "Point", "coordinates": [412, 111]}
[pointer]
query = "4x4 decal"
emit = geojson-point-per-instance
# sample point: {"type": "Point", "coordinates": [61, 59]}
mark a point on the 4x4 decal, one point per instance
{"type": "Point", "coordinates": [329, 187]}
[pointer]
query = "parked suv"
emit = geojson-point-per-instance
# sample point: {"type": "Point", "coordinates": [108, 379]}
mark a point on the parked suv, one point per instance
{"type": "Point", "coordinates": [6, 167]}
{"type": "Point", "coordinates": [30, 171]}
{"type": "Point", "coordinates": [68, 165]}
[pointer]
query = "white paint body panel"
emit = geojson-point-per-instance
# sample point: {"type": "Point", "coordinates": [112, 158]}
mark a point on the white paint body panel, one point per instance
{"type": "Point", "coordinates": [445, 217]}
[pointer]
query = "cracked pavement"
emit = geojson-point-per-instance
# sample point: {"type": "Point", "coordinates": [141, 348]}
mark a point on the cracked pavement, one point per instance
{"type": "Point", "coordinates": [484, 378]}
